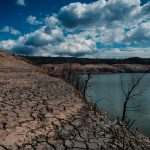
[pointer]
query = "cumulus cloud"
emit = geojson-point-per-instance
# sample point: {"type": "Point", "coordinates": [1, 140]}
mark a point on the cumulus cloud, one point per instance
{"type": "Point", "coordinates": [89, 30]}
{"type": "Point", "coordinates": [108, 36]}
{"type": "Point", "coordinates": [100, 13]}
{"type": "Point", "coordinates": [76, 45]}
{"type": "Point", "coordinates": [43, 36]}
{"type": "Point", "coordinates": [50, 41]}
{"type": "Point", "coordinates": [124, 52]}
{"type": "Point", "coordinates": [10, 30]}
{"type": "Point", "coordinates": [139, 34]}
{"type": "Point", "coordinates": [145, 10]}
{"type": "Point", "coordinates": [34, 40]}
{"type": "Point", "coordinates": [21, 2]}
{"type": "Point", "coordinates": [8, 45]}
{"type": "Point", "coordinates": [33, 20]}
{"type": "Point", "coordinates": [115, 21]}
{"type": "Point", "coordinates": [51, 21]}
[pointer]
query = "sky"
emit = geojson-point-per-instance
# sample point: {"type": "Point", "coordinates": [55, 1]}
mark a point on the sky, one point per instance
{"type": "Point", "coordinates": [78, 28]}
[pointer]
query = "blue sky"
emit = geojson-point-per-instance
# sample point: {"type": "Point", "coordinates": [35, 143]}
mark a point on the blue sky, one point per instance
{"type": "Point", "coordinates": [83, 28]}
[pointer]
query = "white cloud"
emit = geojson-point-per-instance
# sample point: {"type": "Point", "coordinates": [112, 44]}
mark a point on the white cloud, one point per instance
{"type": "Point", "coordinates": [33, 20]}
{"type": "Point", "coordinates": [139, 34]}
{"type": "Point", "coordinates": [8, 45]}
{"type": "Point", "coordinates": [51, 41]}
{"type": "Point", "coordinates": [124, 52]}
{"type": "Point", "coordinates": [21, 2]}
{"type": "Point", "coordinates": [51, 21]}
{"type": "Point", "coordinates": [100, 13]}
{"type": "Point", "coordinates": [10, 30]}
{"type": "Point", "coordinates": [108, 36]}
{"type": "Point", "coordinates": [75, 45]}
{"type": "Point", "coordinates": [38, 39]}
{"type": "Point", "coordinates": [43, 36]}
{"type": "Point", "coordinates": [115, 21]}
{"type": "Point", "coordinates": [88, 30]}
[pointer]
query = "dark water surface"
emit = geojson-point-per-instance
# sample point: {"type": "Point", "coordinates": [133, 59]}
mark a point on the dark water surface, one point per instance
{"type": "Point", "coordinates": [106, 91]}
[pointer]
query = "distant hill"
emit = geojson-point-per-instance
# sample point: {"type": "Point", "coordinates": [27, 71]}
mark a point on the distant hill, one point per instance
{"type": "Point", "coordinates": [60, 60]}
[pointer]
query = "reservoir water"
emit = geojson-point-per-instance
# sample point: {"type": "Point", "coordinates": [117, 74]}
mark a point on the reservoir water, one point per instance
{"type": "Point", "coordinates": [106, 91]}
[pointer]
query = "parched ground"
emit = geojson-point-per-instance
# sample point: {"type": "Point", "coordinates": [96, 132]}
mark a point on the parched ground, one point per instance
{"type": "Point", "coordinates": [39, 112]}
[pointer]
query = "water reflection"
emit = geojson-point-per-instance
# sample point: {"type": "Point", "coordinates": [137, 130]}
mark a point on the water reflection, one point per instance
{"type": "Point", "coordinates": [106, 90]}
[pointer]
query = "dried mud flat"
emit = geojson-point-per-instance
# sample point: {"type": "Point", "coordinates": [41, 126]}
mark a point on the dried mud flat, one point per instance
{"type": "Point", "coordinates": [39, 112]}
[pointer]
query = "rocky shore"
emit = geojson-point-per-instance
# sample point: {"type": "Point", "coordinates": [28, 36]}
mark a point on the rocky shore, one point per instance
{"type": "Point", "coordinates": [40, 112]}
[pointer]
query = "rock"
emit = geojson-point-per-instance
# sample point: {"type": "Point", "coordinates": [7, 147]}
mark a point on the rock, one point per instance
{"type": "Point", "coordinates": [44, 146]}
{"type": "Point", "coordinates": [77, 122]}
{"type": "Point", "coordinates": [69, 144]}
{"type": "Point", "coordinates": [79, 145]}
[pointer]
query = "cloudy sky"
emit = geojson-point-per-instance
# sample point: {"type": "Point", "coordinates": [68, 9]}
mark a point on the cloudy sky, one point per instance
{"type": "Point", "coordinates": [83, 28]}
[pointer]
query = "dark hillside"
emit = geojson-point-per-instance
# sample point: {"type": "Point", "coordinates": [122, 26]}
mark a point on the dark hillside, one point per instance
{"type": "Point", "coordinates": [60, 60]}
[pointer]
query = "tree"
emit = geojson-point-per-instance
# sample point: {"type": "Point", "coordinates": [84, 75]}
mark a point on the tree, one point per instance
{"type": "Point", "coordinates": [79, 81]}
{"type": "Point", "coordinates": [130, 95]}
{"type": "Point", "coordinates": [86, 84]}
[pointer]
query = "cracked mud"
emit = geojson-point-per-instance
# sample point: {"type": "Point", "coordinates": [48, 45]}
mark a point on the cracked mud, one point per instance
{"type": "Point", "coordinates": [38, 112]}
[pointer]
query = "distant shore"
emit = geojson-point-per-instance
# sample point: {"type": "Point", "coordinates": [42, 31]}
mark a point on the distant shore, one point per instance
{"type": "Point", "coordinates": [95, 66]}
{"type": "Point", "coordinates": [98, 68]}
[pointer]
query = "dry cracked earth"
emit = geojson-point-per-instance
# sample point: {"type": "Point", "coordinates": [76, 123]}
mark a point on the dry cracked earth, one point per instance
{"type": "Point", "coordinates": [39, 112]}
